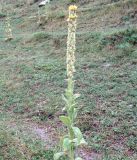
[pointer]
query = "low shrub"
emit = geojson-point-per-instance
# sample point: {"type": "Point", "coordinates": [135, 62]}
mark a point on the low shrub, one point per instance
{"type": "Point", "coordinates": [10, 147]}
{"type": "Point", "coordinates": [121, 37]}
{"type": "Point", "coordinates": [2, 15]}
{"type": "Point", "coordinates": [40, 36]}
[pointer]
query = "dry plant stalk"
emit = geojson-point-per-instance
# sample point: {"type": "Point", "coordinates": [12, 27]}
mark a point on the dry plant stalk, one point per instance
{"type": "Point", "coordinates": [39, 17]}
{"type": "Point", "coordinates": [8, 29]}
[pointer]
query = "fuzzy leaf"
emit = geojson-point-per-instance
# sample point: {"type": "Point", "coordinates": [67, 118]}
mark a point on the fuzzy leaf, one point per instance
{"type": "Point", "coordinates": [77, 133]}
{"type": "Point", "coordinates": [65, 99]}
{"type": "Point", "coordinates": [75, 113]}
{"type": "Point", "coordinates": [79, 140]}
{"type": "Point", "coordinates": [65, 120]}
{"type": "Point", "coordinates": [66, 144]}
{"type": "Point", "coordinates": [83, 142]}
{"type": "Point", "coordinates": [58, 155]}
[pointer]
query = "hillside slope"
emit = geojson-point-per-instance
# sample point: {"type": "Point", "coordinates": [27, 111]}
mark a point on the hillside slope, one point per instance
{"type": "Point", "coordinates": [32, 79]}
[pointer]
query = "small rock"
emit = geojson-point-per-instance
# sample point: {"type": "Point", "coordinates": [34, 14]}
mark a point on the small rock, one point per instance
{"type": "Point", "coordinates": [43, 3]}
{"type": "Point", "coordinates": [106, 65]}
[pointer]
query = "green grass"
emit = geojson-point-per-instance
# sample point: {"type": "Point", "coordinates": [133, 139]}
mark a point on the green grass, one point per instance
{"type": "Point", "coordinates": [2, 15]}
{"type": "Point", "coordinates": [32, 79]}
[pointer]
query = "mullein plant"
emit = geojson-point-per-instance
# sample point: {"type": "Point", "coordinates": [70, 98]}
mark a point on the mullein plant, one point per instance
{"type": "Point", "coordinates": [74, 137]}
{"type": "Point", "coordinates": [8, 29]}
{"type": "Point", "coordinates": [1, 6]}
{"type": "Point", "coordinates": [39, 17]}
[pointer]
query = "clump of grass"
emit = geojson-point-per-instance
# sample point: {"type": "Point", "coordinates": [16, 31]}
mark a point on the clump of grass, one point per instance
{"type": "Point", "coordinates": [2, 15]}
{"type": "Point", "coordinates": [124, 36]}
{"type": "Point", "coordinates": [122, 41]}
{"type": "Point", "coordinates": [11, 147]}
{"type": "Point", "coordinates": [61, 14]}
{"type": "Point", "coordinates": [40, 36]}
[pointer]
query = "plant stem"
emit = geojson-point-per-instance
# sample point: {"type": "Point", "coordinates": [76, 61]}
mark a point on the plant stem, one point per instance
{"type": "Point", "coordinates": [70, 72]}
{"type": "Point", "coordinates": [70, 115]}
{"type": "Point", "coordinates": [72, 156]}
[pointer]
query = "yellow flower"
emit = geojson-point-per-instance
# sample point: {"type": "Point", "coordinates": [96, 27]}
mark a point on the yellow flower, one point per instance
{"type": "Point", "coordinates": [73, 8]}
{"type": "Point", "coordinates": [72, 16]}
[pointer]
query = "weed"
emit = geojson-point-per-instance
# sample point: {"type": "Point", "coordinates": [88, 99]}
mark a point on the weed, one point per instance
{"type": "Point", "coordinates": [10, 147]}
{"type": "Point", "coordinates": [127, 36]}
{"type": "Point", "coordinates": [61, 14]}
{"type": "Point", "coordinates": [74, 138]}
{"type": "Point", "coordinates": [2, 15]}
{"type": "Point", "coordinates": [40, 36]}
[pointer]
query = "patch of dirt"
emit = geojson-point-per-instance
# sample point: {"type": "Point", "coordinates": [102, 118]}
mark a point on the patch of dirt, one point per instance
{"type": "Point", "coordinates": [88, 154]}
{"type": "Point", "coordinates": [49, 134]}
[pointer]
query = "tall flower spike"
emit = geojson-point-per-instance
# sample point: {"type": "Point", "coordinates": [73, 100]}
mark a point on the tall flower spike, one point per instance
{"type": "Point", "coordinates": [39, 17]}
{"type": "Point", "coordinates": [74, 137]}
{"type": "Point", "coordinates": [8, 29]}
{"type": "Point", "coordinates": [71, 41]}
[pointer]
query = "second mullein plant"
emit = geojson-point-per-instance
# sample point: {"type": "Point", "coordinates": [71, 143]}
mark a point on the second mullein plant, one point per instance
{"type": "Point", "coordinates": [74, 137]}
{"type": "Point", "coordinates": [8, 29]}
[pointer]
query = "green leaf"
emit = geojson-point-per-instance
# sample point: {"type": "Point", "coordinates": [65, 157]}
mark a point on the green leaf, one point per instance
{"type": "Point", "coordinates": [66, 144]}
{"type": "Point", "coordinates": [77, 133]}
{"type": "Point", "coordinates": [65, 99]}
{"type": "Point", "coordinates": [78, 158]}
{"type": "Point", "coordinates": [83, 141]}
{"type": "Point", "coordinates": [75, 113]}
{"type": "Point", "coordinates": [79, 140]}
{"type": "Point", "coordinates": [58, 155]}
{"type": "Point", "coordinates": [66, 120]}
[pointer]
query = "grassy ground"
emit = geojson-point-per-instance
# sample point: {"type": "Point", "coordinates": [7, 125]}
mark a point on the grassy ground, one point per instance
{"type": "Point", "coordinates": [32, 79]}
